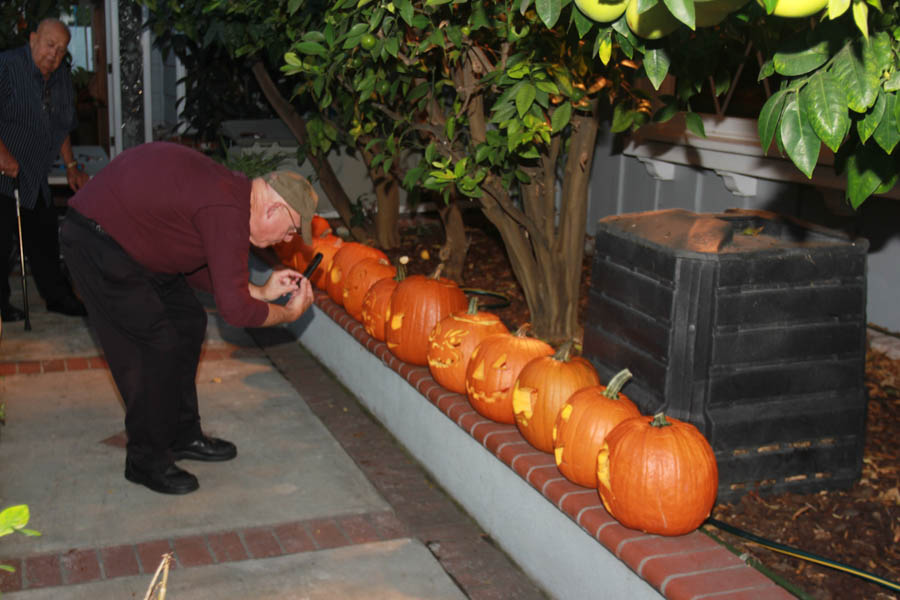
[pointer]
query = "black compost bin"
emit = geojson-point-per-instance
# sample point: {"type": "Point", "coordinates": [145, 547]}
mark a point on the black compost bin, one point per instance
{"type": "Point", "coordinates": [748, 324]}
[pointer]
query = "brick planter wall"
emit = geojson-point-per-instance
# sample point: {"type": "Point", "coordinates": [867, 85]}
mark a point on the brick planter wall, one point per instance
{"type": "Point", "coordinates": [557, 531]}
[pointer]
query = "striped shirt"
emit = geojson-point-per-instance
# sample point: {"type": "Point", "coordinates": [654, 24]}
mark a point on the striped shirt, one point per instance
{"type": "Point", "coordinates": [35, 118]}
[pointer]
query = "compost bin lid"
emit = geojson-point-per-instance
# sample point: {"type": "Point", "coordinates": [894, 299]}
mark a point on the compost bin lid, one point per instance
{"type": "Point", "coordinates": [734, 230]}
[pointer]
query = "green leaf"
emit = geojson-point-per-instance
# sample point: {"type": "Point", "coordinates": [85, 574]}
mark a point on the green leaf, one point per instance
{"type": "Point", "coordinates": [769, 116]}
{"type": "Point", "coordinates": [694, 124]}
{"type": "Point", "coordinates": [800, 58]}
{"type": "Point", "coordinates": [858, 82]}
{"type": "Point", "coordinates": [867, 170]}
{"type": "Point", "coordinates": [866, 126]}
{"type": "Point", "coordinates": [313, 48]}
{"type": "Point", "coordinates": [892, 84]}
{"type": "Point", "coordinates": [622, 118]}
{"type": "Point", "coordinates": [837, 7]}
{"type": "Point", "coordinates": [604, 47]}
{"type": "Point", "coordinates": [14, 517]}
{"type": "Point", "coordinates": [767, 69]}
{"type": "Point", "coordinates": [799, 139]}
{"type": "Point", "coordinates": [824, 104]}
{"type": "Point", "coordinates": [7, 568]}
{"type": "Point", "coordinates": [887, 134]}
{"type": "Point", "coordinates": [665, 113]}
{"type": "Point", "coordinates": [656, 65]}
{"type": "Point", "coordinates": [548, 11]}
{"type": "Point", "coordinates": [357, 29]}
{"type": "Point", "coordinates": [683, 10]}
{"type": "Point", "coordinates": [561, 117]}
{"type": "Point", "coordinates": [861, 16]}
{"type": "Point", "coordinates": [524, 98]}
{"type": "Point", "coordinates": [405, 8]}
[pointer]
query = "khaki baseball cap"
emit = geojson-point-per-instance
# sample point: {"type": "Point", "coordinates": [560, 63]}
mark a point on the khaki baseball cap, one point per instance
{"type": "Point", "coordinates": [298, 192]}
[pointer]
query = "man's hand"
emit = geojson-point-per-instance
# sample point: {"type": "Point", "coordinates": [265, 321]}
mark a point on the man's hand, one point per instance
{"type": "Point", "coordinates": [301, 299]}
{"type": "Point", "coordinates": [281, 282]}
{"type": "Point", "coordinates": [76, 178]}
{"type": "Point", "coordinates": [9, 166]}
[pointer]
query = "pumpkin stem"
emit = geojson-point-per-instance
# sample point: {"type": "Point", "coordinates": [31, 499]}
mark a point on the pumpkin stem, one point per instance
{"type": "Point", "coordinates": [522, 331]}
{"type": "Point", "coordinates": [401, 271]}
{"type": "Point", "coordinates": [473, 306]}
{"type": "Point", "coordinates": [562, 354]}
{"type": "Point", "coordinates": [659, 420]}
{"type": "Point", "coordinates": [437, 271]}
{"type": "Point", "coordinates": [616, 383]}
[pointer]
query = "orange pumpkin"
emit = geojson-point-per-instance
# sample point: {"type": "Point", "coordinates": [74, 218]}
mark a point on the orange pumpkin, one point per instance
{"type": "Point", "coordinates": [582, 424]}
{"type": "Point", "coordinates": [376, 305]}
{"type": "Point", "coordinates": [328, 245]}
{"type": "Point", "coordinates": [658, 475]}
{"type": "Point", "coordinates": [347, 255]}
{"type": "Point", "coordinates": [296, 253]}
{"type": "Point", "coordinates": [417, 305]}
{"type": "Point", "coordinates": [452, 341]}
{"type": "Point", "coordinates": [360, 278]}
{"type": "Point", "coordinates": [541, 389]}
{"type": "Point", "coordinates": [493, 368]}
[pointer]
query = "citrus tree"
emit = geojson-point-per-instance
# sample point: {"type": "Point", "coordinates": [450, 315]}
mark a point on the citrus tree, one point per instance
{"type": "Point", "coordinates": [500, 102]}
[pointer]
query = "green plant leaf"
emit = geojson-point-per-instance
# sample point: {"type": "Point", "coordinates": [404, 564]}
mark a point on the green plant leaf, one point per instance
{"type": "Point", "coordinates": [524, 98]}
{"type": "Point", "coordinates": [800, 58]}
{"type": "Point", "coordinates": [861, 16]}
{"type": "Point", "coordinates": [769, 117]}
{"type": "Point", "coordinates": [837, 7]}
{"type": "Point", "coordinates": [622, 119]}
{"type": "Point", "coordinates": [799, 139]}
{"type": "Point", "coordinates": [866, 126]}
{"type": "Point", "coordinates": [868, 168]}
{"type": "Point", "coordinates": [313, 48]}
{"type": "Point", "coordinates": [561, 117]}
{"type": "Point", "coordinates": [683, 10]}
{"type": "Point", "coordinates": [887, 133]}
{"type": "Point", "coordinates": [859, 83]}
{"type": "Point", "coordinates": [548, 11]}
{"type": "Point", "coordinates": [824, 104]}
{"type": "Point", "coordinates": [656, 65]}
{"type": "Point", "coordinates": [694, 124]}
{"type": "Point", "coordinates": [13, 517]}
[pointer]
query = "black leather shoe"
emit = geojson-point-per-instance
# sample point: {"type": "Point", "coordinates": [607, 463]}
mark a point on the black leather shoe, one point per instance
{"type": "Point", "coordinates": [171, 480]}
{"type": "Point", "coordinates": [205, 448]}
{"type": "Point", "coordinates": [68, 305]}
{"type": "Point", "coordinates": [11, 314]}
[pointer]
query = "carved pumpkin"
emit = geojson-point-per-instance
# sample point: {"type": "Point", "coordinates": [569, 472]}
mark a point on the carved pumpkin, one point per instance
{"type": "Point", "coordinates": [376, 305]}
{"type": "Point", "coordinates": [657, 474]}
{"type": "Point", "coordinates": [582, 424]}
{"type": "Point", "coordinates": [361, 277]}
{"type": "Point", "coordinates": [347, 255]}
{"type": "Point", "coordinates": [493, 368]}
{"type": "Point", "coordinates": [541, 389]}
{"type": "Point", "coordinates": [328, 245]}
{"type": "Point", "coordinates": [417, 305]}
{"type": "Point", "coordinates": [453, 340]}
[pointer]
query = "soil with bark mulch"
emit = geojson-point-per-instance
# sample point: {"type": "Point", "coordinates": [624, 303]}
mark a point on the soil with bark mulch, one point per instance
{"type": "Point", "coordinates": [859, 527]}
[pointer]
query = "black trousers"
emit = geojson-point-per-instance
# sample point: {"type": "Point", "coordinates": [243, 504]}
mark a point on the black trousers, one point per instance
{"type": "Point", "coordinates": [40, 240]}
{"type": "Point", "coordinates": [151, 327]}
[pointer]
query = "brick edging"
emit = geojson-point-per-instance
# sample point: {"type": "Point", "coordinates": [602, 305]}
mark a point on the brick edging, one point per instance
{"type": "Point", "coordinates": [97, 361]}
{"type": "Point", "coordinates": [688, 566]}
{"type": "Point", "coordinates": [85, 565]}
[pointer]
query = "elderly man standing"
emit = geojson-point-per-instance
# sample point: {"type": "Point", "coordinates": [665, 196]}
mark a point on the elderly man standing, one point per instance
{"type": "Point", "coordinates": [37, 112]}
{"type": "Point", "coordinates": [159, 219]}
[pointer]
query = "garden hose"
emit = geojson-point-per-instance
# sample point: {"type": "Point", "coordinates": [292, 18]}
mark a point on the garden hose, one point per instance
{"type": "Point", "coordinates": [796, 553]}
{"type": "Point", "coordinates": [503, 299]}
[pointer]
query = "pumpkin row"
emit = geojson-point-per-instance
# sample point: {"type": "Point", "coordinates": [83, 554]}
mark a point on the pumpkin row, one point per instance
{"type": "Point", "coordinates": [655, 474]}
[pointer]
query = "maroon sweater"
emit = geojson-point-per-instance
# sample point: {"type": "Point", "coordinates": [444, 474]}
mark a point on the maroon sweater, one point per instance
{"type": "Point", "coordinates": [174, 210]}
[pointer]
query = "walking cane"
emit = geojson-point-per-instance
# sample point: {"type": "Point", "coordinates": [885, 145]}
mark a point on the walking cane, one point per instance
{"type": "Point", "coordinates": [22, 259]}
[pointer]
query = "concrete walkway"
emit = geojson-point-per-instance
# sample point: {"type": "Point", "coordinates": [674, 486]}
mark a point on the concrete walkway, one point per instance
{"type": "Point", "coordinates": [321, 502]}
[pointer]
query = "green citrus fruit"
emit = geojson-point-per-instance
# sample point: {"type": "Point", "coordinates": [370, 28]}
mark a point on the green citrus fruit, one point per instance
{"type": "Point", "coordinates": [465, 30]}
{"type": "Point", "coordinates": [602, 11]}
{"type": "Point", "coordinates": [367, 41]}
{"type": "Point", "coordinates": [797, 8]}
{"type": "Point", "coordinates": [651, 24]}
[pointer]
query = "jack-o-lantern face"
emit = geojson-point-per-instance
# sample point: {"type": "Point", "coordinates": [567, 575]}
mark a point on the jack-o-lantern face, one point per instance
{"type": "Point", "coordinates": [454, 339]}
{"type": "Point", "coordinates": [493, 368]}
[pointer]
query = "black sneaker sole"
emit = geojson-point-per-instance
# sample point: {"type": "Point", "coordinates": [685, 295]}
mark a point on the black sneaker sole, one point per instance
{"type": "Point", "coordinates": [173, 490]}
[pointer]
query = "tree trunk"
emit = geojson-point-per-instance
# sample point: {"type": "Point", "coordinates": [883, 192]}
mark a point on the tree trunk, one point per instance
{"type": "Point", "coordinates": [387, 204]}
{"type": "Point", "coordinates": [453, 252]}
{"type": "Point", "coordinates": [297, 125]}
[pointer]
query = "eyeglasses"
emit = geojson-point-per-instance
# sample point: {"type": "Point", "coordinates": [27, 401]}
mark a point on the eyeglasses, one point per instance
{"type": "Point", "coordinates": [294, 229]}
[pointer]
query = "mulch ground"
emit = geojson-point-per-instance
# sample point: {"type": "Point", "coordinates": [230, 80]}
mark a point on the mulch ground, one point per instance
{"type": "Point", "coordinates": [859, 527]}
